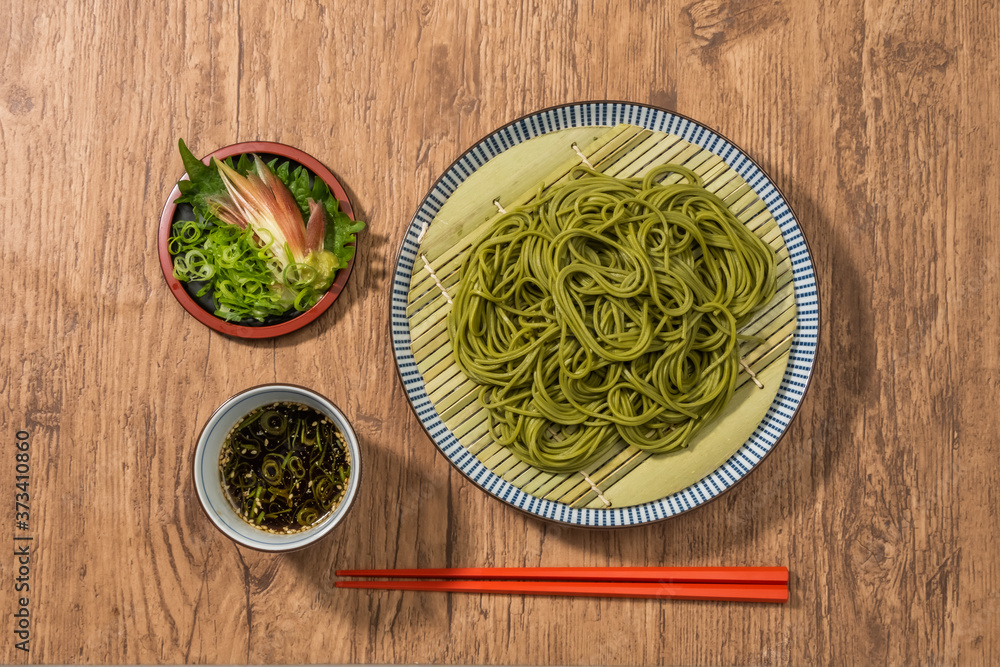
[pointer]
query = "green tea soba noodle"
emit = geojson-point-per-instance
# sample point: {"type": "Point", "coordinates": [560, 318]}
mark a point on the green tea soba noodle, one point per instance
{"type": "Point", "coordinates": [608, 310]}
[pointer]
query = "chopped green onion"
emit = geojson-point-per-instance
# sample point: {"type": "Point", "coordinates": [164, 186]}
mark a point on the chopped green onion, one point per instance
{"type": "Point", "coordinates": [273, 422]}
{"type": "Point", "coordinates": [265, 475]}
{"type": "Point", "coordinates": [270, 470]}
{"type": "Point", "coordinates": [296, 467]}
{"type": "Point", "coordinates": [306, 299]}
{"type": "Point", "coordinates": [307, 515]}
{"type": "Point", "coordinates": [299, 275]}
{"type": "Point", "coordinates": [240, 273]}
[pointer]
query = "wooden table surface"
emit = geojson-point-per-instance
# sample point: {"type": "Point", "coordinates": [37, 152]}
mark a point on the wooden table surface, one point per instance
{"type": "Point", "coordinates": [876, 119]}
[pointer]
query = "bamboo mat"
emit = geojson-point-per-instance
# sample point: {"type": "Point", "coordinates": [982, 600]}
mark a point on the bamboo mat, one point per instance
{"type": "Point", "coordinates": [625, 476]}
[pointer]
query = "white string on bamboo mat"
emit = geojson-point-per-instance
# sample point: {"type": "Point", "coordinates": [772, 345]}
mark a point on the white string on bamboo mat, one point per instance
{"type": "Point", "coordinates": [597, 490]}
{"type": "Point", "coordinates": [437, 281]}
{"type": "Point", "coordinates": [753, 376]}
{"type": "Point", "coordinates": [582, 156]}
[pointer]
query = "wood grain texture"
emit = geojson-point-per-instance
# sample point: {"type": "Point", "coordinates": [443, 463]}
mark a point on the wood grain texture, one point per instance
{"type": "Point", "coordinates": [876, 118]}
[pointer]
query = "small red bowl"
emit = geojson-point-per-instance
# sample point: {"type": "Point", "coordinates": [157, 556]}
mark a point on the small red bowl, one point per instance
{"type": "Point", "coordinates": [266, 149]}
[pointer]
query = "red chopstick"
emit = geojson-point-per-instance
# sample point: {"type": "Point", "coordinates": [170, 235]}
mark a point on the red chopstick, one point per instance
{"type": "Point", "coordinates": [625, 589]}
{"type": "Point", "coordinates": [700, 575]}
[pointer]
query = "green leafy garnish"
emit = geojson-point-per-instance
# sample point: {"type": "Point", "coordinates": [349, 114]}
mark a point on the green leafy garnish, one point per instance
{"type": "Point", "coordinates": [266, 240]}
{"type": "Point", "coordinates": [340, 229]}
{"type": "Point", "coordinates": [341, 232]}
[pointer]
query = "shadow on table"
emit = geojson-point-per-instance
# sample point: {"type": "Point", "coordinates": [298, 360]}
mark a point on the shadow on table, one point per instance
{"type": "Point", "coordinates": [404, 516]}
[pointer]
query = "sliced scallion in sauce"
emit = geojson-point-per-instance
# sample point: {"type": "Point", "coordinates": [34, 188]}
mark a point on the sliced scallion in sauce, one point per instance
{"type": "Point", "coordinates": [284, 467]}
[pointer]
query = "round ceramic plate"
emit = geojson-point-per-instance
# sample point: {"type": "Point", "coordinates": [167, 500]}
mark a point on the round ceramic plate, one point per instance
{"type": "Point", "coordinates": [626, 487]}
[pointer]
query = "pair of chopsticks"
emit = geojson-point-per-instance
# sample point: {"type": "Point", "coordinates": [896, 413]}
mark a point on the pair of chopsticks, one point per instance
{"type": "Point", "coordinates": [731, 584]}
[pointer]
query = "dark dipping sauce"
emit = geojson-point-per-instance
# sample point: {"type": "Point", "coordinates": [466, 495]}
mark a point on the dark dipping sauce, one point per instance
{"type": "Point", "coordinates": [284, 467]}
